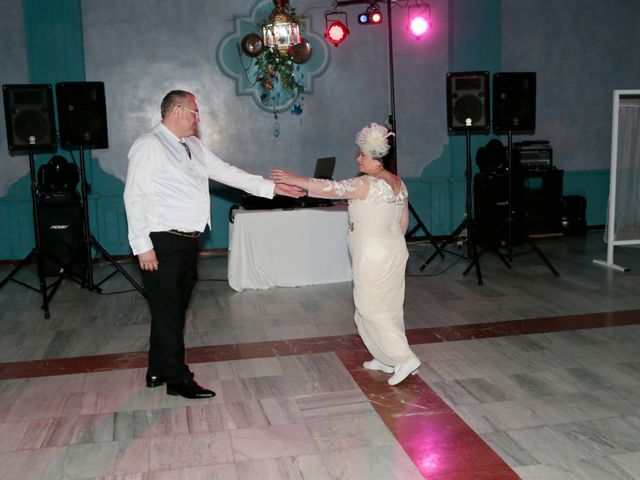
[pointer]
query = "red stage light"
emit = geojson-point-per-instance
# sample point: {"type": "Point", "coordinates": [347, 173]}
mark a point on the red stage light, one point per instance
{"type": "Point", "coordinates": [336, 32]}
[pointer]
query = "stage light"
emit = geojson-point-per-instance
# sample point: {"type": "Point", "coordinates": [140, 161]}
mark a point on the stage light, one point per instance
{"type": "Point", "coordinates": [419, 19]}
{"type": "Point", "coordinates": [372, 16]}
{"type": "Point", "coordinates": [335, 30]}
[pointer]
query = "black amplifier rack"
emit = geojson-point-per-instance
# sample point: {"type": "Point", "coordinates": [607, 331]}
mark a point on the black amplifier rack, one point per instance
{"type": "Point", "coordinates": [533, 155]}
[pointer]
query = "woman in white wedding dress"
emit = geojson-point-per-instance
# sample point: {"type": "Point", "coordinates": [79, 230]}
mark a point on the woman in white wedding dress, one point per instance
{"type": "Point", "coordinates": [378, 220]}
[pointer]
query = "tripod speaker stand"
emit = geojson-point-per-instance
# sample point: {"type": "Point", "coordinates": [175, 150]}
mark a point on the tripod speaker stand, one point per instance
{"type": "Point", "coordinates": [466, 224]}
{"type": "Point", "coordinates": [467, 111]}
{"type": "Point", "coordinates": [31, 128]}
{"type": "Point", "coordinates": [82, 116]}
{"type": "Point", "coordinates": [46, 291]}
{"type": "Point", "coordinates": [91, 242]}
{"type": "Point", "coordinates": [514, 109]}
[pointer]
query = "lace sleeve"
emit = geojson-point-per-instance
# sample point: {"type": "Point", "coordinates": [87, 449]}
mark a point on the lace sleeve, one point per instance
{"type": "Point", "coordinates": [346, 189]}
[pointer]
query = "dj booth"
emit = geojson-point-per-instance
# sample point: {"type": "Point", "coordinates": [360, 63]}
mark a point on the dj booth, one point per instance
{"type": "Point", "coordinates": [288, 247]}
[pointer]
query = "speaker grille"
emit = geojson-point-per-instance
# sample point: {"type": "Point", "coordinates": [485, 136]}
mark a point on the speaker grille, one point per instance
{"type": "Point", "coordinates": [467, 101]}
{"type": "Point", "coordinates": [29, 117]}
{"type": "Point", "coordinates": [514, 102]}
{"type": "Point", "coordinates": [82, 114]}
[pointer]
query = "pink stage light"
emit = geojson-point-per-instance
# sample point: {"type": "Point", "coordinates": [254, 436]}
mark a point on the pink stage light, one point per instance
{"type": "Point", "coordinates": [419, 19]}
{"type": "Point", "coordinates": [419, 26]}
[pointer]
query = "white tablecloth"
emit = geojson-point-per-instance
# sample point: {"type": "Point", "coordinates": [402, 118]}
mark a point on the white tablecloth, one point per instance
{"type": "Point", "coordinates": [288, 248]}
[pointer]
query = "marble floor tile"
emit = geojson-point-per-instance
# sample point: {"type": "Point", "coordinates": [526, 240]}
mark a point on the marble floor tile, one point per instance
{"type": "Point", "coordinates": [349, 432]}
{"type": "Point", "coordinates": [79, 429]}
{"type": "Point", "coordinates": [387, 462]}
{"type": "Point", "coordinates": [602, 438]}
{"type": "Point", "coordinates": [196, 449]}
{"type": "Point", "coordinates": [591, 469]}
{"type": "Point", "coordinates": [546, 445]}
{"type": "Point", "coordinates": [630, 462]}
{"type": "Point", "coordinates": [24, 435]}
{"type": "Point", "coordinates": [499, 416]}
{"type": "Point", "coordinates": [271, 442]}
{"type": "Point", "coordinates": [300, 467]}
{"type": "Point", "coordinates": [43, 463]}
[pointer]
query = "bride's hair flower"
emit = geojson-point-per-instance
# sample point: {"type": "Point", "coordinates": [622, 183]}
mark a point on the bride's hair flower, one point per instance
{"type": "Point", "coordinates": [373, 141]}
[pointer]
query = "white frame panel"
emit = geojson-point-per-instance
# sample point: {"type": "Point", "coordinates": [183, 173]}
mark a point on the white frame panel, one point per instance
{"type": "Point", "coordinates": [611, 216]}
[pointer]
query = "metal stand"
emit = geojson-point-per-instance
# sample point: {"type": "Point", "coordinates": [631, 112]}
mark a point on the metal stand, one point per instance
{"type": "Point", "coordinates": [90, 241]}
{"type": "Point", "coordinates": [467, 221]}
{"type": "Point", "coordinates": [511, 223]}
{"type": "Point", "coordinates": [421, 226]}
{"type": "Point", "coordinates": [466, 224]}
{"type": "Point", "coordinates": [36, 255]}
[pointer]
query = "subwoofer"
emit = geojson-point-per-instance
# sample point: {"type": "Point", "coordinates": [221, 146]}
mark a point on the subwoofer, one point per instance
{"type": "Point", "coordinates": [491, 208]}
{"type": "Point", "coordinates": [82, 114]}
{"type": "Point", "coordinates": [468, 101]}
{"type": "Point", "coordinates": [29, 116]}
{"type": "Point", "coordinates": [61, 236]}
{"type": "Point", "coordinates": [514, 102]}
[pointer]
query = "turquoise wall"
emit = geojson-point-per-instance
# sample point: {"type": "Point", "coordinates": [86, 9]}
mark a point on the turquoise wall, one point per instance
{"type": "Point", "coordinates": [56, 52]}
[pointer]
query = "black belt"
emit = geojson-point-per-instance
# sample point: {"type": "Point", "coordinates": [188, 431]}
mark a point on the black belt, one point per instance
{"type": "Point", "coordinates": [185, 234]}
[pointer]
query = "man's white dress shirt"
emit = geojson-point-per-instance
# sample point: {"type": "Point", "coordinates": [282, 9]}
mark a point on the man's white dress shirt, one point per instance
{"type": "Point", "coordinates": [165, 189]}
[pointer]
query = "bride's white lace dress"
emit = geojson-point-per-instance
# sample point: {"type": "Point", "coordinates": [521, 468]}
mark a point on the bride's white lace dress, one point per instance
{"type": "Point", "coordinates": [379, 257]}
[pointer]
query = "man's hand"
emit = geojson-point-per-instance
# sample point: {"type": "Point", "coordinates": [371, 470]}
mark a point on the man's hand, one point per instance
{"type": "Point", "coordinates": [288, 190]}
{"type": "Point", "coordinates": [148, 261]}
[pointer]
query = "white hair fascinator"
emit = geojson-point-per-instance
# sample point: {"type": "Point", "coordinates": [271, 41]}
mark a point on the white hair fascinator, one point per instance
{"type": "Point", "coordinates": [373, 141]}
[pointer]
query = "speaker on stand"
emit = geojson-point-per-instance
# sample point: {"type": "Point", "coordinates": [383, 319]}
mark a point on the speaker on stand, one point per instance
{"type": "Point", "coordinates": [82, 116]}
{"type": "Point", "coordinates": [30, 127]}
{"type": "Point", "coordinates": [29, 116]}
{"type": "Point", "coordinates": [514, 110]}
{"type": "Point", "coordinates": [467, 111]}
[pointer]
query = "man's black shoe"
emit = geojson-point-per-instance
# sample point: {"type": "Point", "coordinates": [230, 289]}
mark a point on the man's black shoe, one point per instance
{"type": "Point", "coordinates": [154, 381]}
{"type": "Point", "coordinates": [189, 389]}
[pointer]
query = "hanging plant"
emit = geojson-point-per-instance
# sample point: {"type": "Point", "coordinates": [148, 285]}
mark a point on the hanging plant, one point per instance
{"type": "Point", "coordinates": [278, 69]}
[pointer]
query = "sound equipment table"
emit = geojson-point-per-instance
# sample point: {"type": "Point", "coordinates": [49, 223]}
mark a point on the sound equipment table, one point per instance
{"type": "Point", "coordinates": [288, 248]}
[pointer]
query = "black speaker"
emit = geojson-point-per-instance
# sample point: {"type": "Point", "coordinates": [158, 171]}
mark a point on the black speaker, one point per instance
{"type": "Point", "coordinates": [574, 219]}
{"type": "Point", "coordinates": [543, 202]}
{"type": "Point", "coordinates": [468, 101]}
{"type": "Point", "coordinates": [514, 102]}
{"type": "Point", "coordinates": [28, 111]}
{"type": "Point", "coordinates": [491, 208]}
{"type": "Point", "coordinates": [82, 114]}
{"type": "Point", "coordinates": [61, 236]}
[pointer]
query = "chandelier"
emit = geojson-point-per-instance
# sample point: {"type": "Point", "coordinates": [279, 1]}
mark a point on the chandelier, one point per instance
{"type": "Point", "coordinates": [281, 30]}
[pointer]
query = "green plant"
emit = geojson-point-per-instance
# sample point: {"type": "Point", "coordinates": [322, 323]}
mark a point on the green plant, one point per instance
{"type": "Point", "coordinates": [275, 67]}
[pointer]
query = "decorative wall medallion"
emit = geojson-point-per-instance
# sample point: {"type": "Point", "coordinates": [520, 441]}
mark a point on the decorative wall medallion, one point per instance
{"type": "Point", "coordinates": [275, 80]}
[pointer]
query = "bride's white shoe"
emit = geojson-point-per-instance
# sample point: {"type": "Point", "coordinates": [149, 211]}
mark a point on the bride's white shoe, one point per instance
{"type": "Point", "coordinates": [379, 366]}
{"type": "Point", "coordinates": [403, 371]}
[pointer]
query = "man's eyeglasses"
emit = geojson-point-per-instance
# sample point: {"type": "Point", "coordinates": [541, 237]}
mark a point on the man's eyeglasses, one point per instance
{"type": "Point", "coordinates": [195, 112]}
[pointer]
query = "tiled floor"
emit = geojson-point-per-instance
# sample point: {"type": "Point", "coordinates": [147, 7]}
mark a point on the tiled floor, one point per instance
{"type": "Point", "coordinates": [528, 376]}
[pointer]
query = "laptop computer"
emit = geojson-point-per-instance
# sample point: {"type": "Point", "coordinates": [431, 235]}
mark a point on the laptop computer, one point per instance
{"type": "Point", "coordinates": [324, 168]}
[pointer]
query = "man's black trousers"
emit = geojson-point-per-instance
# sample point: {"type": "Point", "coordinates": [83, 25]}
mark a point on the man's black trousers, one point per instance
{"type": "Point", "coordinates": [168, 292]}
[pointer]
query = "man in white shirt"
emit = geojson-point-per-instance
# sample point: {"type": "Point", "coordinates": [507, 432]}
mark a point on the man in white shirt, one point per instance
{"type": "Point", "coordinates": [167, 201]}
